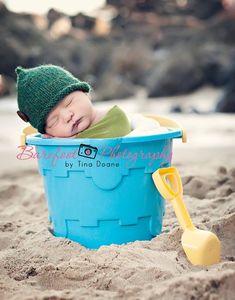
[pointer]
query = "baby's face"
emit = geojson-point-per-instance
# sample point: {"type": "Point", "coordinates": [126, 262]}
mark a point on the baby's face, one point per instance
{"type": "Point", "coordinates": [72, 115]}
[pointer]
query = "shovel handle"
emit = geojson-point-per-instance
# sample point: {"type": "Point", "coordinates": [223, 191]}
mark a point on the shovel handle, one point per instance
{"type": "Point", "coordinates": [169, 185]}
{"type": "Point", "coordinates": [182, 213]}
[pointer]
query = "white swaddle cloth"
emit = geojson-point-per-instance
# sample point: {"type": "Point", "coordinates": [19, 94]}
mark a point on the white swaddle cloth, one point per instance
{"type": "Point", "coordinates": [141, 125]}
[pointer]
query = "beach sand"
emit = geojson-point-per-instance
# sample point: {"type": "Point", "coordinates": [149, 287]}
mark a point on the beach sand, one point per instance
{"type": "Point", "coordinates": [36, 265]}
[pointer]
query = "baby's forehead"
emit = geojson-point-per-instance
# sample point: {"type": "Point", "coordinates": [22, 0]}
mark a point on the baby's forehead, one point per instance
{"type": "Point", "coordinates": [55, 110]}
{"type": "Point", "coordinates": [68, 97]}
{"type": "Point", "coordinates": [61, 102]}
{"type": "Point", "coordinates": [65, 98]}
{"type": "Point", "coordinates": [75, 94]}
{"type": "Point", "coordinates": [59, 105]}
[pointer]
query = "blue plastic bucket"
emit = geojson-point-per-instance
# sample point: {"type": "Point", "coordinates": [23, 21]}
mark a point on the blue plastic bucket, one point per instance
{"type": "Point", "coordinates": [100, 191]}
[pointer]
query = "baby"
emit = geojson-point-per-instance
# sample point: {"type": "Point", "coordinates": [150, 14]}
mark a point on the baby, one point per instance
{"type": "Point", "coordinates": [58, 105]}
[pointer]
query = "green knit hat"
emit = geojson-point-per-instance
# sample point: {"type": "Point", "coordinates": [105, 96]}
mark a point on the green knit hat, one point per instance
{"type": "Point", "coordinates": [40, 89]}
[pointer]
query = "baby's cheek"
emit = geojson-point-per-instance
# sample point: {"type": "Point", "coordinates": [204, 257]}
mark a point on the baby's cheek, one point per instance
{"type": "Point", "coordinates": [51, 132]}
{"type": "Point", "coordinates": [83, 125]}
{"type": "Point", "coordinates": [47, 136]}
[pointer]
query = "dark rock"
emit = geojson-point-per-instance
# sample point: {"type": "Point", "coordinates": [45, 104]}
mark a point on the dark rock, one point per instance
{"type": "Point", "coordinates": [227, 102]}
{"type": "Point", "coordinates": [193, 110]}
{"type": "Point", "coordinates": [201, 9]}
{"type": "Point", "coordinates": [177, 72]}
{"type": "Point", "coordinates": [72, 54]}
{"type": "Point", "coordinates": [7, 86]}
{"type": "Point", "coordinates": [176, 109]}
{"type": "Point", "coordinates": [112, 86]}
{"type": "Point", "coordinates": [222, 170]}
{"type": "Point", "coordinates": [189, 52]}
{"type": "Point", "coordinates": [232, 172]}
{"type": "Point", "coordinates": [220, 29]}
{"type": "Point", "coordinates": [3, 9]}
{"type": "Point", "coordinates": [217, 62]}
{"type": "Point", "coordinates": [20, 40]}
{"type": "Point", "coordinates": [132, 61]}
{"type": "Point", "coordinates": [82, 21]}
{"type": "Point", "coordinates": [54, 15]}
{"type": "Point", "coordinates": [120, 21]}
{"type": "Point", "coordinates": [198, 8]}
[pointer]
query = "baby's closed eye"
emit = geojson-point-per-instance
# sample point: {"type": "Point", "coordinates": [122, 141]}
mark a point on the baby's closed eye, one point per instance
{"type": "Point", "coordinates": [53, 122]}
{"type": "Point", "coordinates": [69, 102]}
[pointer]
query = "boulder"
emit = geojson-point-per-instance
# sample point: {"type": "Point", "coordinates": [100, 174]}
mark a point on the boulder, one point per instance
{"type": "Point", "coordinates": [21, 42]}
{"type": "Point", "coordinates": [198, 8]}
{"type": "Point", "coordinates": [217, 62]}
{"type": "Point", "coordinates": [54, 15]}
{"type": "Point", "coordinates": [74, 55]}
{"type": "Point", "coordinates": [7, 85]}
{"type": "Point", "coordinates": [83, 22]}
{"type": "Point", "coordinates": [227, 103]}
{"type": "Point", "coordinates": [132, 61]}
{"type": "Point", "coordinates": [113, 86]}
{"type": "Point", "coordinates": [176, 108]}
{"type": "Point", "coordinates": [220, 29]}
{"type": "Point", "coordinates": [175, 72]}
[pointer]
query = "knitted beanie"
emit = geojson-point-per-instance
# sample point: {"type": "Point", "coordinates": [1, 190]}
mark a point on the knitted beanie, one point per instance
{"type": "Point", "coordinates": [39, 90]}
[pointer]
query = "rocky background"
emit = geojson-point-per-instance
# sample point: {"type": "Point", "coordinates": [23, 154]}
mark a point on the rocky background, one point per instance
{"type": "Point", "coordinates": [166, 48]}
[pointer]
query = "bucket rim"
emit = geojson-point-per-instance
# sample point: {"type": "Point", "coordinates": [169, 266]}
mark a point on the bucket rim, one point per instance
{"type": "Point", "coordinates": [36, 139]}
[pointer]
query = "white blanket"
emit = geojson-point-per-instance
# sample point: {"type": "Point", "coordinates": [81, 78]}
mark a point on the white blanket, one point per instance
{"type": "Point", "coordinates": [141, 125]}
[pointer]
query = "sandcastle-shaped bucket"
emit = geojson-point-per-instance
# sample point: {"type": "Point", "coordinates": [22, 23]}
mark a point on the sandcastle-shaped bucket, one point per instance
{"type": "Point", "coordinates": [100, 191]}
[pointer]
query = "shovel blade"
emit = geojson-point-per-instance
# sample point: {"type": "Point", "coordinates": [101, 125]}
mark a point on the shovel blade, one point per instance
{"type": "Point", "coordinates": [201, 247]}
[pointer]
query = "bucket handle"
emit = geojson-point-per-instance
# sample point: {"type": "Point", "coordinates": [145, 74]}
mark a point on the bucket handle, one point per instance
{"type": "Point", "coordinates": [27, 131]}
{"type": "Point", "coordinates": [167, 122]}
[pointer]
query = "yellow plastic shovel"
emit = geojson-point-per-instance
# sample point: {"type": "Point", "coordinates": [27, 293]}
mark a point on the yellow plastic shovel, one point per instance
{"type": "Point", "coordinates": [201, 247]}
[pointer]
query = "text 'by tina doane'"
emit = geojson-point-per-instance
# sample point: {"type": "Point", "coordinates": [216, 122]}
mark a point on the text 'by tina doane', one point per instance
{"type": "Point", "coordinates": [96, 164]}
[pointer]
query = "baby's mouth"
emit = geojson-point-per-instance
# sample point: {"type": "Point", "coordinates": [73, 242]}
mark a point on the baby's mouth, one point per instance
{"type": "Point", "coordinates": [76, 124]}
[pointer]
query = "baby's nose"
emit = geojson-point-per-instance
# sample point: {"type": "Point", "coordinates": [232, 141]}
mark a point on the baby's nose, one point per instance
{"type": "Point", "coordinates": [66, 115]}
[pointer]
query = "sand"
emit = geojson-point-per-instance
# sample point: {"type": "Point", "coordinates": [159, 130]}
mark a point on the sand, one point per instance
{"type": "Point", "coordinates": [36, 265]}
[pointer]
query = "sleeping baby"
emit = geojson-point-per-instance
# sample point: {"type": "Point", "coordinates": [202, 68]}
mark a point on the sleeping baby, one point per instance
{"type": "Point", "coordinates": [59, 105]}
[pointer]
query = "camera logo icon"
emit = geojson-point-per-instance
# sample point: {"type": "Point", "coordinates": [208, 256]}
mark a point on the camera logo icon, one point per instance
{"type": "Point", "coordinates": [87, 151]}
